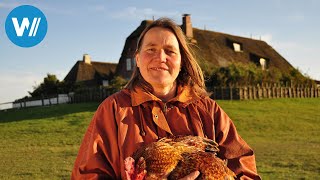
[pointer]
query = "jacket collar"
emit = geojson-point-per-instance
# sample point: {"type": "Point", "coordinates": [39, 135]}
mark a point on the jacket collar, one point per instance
{"type": "Point", "coordinates": [185, 95]}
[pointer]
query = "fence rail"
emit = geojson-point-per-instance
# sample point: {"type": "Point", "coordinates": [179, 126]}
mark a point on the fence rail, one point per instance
{"type": "Point", "coordinates": [91, 94]}
{"type": "Point", "coordinates": [228, 93]}
{"type": "Point", "coordinates": [58, 99]}
{"type": "Point", "coordinates": [264, 92]}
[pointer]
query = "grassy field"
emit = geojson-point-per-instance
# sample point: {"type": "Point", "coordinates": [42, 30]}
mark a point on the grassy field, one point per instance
{"type": "Point", "coordinates": [42, 143]}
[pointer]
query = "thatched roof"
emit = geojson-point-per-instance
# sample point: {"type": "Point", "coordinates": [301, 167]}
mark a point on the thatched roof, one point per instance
{"type": "Point", "coordinates": [216, 48]}
{"type": "Point", "coordinates": [213, 49]}
{"type": "Point", "coordinates": [91, 73]}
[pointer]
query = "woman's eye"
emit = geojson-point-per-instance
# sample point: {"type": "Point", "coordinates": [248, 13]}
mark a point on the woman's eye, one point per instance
{"type": "Point", "coordinates": [170, 52]}
{"type": "Point", "coordinates": [151, 50]}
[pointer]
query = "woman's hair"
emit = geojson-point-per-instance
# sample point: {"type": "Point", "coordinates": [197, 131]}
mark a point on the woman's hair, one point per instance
{"type": "Point", "coordinates": [190, 75]}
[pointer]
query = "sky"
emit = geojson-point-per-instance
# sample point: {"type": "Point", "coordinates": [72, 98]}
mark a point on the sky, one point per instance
{"type": "Point", "coordinates": [100, 27]}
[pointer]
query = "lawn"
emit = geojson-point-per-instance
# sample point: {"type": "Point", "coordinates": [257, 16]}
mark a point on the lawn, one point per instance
{"type": "Point", "coordinates": [42, 143]}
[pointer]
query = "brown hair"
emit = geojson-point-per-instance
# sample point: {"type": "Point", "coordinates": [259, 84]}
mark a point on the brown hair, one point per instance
{"type": "Point", "coordinates": [190, 74]}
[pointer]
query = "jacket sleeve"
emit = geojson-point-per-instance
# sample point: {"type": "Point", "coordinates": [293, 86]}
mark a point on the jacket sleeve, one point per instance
{"type": "Point", "coordinates": [98, 156]}
{"type": "Point", "coordinates": [240, 157]}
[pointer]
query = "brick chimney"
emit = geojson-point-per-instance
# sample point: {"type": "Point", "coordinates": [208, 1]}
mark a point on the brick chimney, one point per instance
{"type": "Point", "coordinates": [86, 59]}
{"type": "Point", "coordinates": [187, 26]}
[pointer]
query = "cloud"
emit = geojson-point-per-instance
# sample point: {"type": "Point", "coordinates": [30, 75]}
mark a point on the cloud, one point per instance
{"type": "Point", "coordinates": [145, 13]}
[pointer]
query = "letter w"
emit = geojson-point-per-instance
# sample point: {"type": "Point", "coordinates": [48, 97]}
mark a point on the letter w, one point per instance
{"type": "Point", "coordinates": [25, 25]}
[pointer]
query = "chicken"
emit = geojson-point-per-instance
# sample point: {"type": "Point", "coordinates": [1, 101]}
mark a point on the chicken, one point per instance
{"type": "Point", "coordinates": [176, 157]}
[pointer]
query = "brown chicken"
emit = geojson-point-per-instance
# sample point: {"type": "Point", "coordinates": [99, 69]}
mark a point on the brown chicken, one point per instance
{"type": "Point", "coordinates": [177, 157]}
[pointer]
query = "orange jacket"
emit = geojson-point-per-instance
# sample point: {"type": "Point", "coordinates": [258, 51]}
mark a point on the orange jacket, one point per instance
{"type": "Point", "coordinates": [126, 120]}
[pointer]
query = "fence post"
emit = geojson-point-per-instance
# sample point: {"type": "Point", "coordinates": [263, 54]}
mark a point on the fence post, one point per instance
{"type": "Point", "coordinates": [259, 92]}
{"type": "Point", "coordinates": [245, 92]}
{"type": "Point", "coordinates": [240, 93]}
{"type": "Point", "coordinates": [264, 91]}
{"type": "Point", "coordinates": [42, 100]}
{"type": "Point", "coordinates": [290, 92]}
{"type": "Point", "coordinates": [302, 92]}
{"type": "Point", "coordinates": [231, 95]}
{"type": "Point", "coordinates": [278, 91]}
{"type": "Point", "coordinates": [274, 90]}
{"type": "Point", "coordinates": [286, 92]}
{"type": "Point", "coordinates": [269, 91]}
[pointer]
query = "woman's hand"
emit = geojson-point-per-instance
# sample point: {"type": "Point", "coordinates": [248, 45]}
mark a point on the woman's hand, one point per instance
{"type": "Point", "coordinates": [135, 171]}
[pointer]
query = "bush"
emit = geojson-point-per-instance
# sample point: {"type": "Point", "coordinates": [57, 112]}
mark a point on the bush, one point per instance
{"type": "Point", "coordinates": [116, 84]}
{"type": "Point", "coordinates": [250, 74]}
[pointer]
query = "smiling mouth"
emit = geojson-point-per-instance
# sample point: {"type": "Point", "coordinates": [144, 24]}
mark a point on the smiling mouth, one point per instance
{"type": "Point", "coordinates": [159, 69]}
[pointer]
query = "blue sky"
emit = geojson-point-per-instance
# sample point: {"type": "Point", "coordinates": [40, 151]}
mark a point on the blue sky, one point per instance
{"type": "Point", "coordinates": [100, 27]}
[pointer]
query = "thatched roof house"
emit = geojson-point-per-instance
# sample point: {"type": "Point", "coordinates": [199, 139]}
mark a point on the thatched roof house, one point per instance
{"type": "Point", "coordinates": [91, 73]}
{"type": "Point", "coordinates": [213, 49]}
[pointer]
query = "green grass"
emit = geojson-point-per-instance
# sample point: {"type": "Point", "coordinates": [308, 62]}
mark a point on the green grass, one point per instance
{"type": "Point", "coordinates": [42, 142]}
{"type": "Point", "coordinates": [284, 134]}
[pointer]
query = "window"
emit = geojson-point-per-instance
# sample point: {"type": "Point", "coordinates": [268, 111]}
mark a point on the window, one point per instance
{"type": "Point", "coordinates": [263, 63]}
{"type": "Point", "coordinates": [129, 64]}
{"type": "Point", "coordinates": [237, 47]}
{"type": "Point", "coordinates": [105, 83]}
{"type": "Point", "coordinates": [134, 62]}
{"type": "Point", "coordinates": [234, 45]}
{"type": "Point", "coordinates": [260, 61]}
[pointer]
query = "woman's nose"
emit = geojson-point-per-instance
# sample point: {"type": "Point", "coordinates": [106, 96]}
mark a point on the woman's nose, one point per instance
{"type": "Point", "coordinates": [162, 56]}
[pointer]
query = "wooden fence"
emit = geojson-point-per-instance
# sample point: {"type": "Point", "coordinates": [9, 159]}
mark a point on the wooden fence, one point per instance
{"type": "Point", "coordinates": [34, 102]}
{"type": "Point", "coordinates": [227, 93]}
{"type": "Point", "coordinates": [263, 92]}
{"type": "Point", "coordinates": [97, 94]}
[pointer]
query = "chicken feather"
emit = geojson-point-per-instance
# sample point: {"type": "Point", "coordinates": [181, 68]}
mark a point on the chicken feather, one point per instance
{"type": "Point", "coordinates": [177, 156]}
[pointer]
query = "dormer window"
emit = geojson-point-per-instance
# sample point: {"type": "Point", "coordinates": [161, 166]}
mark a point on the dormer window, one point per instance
{"type": "Point", "coordinates": [237, 47]}
{"type": "Point", "coordinates": [234, 45]}
{"type": "Point", "coordinates": [129, 67]}
{"type": "Point", "coordinates": [263, 63]}
{"type": "Point", "coordinates": [134, 62]}
{"type": "Point", "coordinates": [105, 83]}
{"type": "Point", "coordinates": [260, 61]}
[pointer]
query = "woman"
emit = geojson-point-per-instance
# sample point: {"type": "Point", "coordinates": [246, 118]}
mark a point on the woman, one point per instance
{"type": "Point", "coordinates": [165, 96]}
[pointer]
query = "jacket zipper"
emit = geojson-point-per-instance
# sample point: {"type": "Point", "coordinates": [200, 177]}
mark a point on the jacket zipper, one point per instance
{"type": "Point", "coordinates": [165, 108]}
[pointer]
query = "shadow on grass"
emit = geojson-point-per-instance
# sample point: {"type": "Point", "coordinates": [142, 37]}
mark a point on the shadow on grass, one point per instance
{"type": "Point", "coordinates": [12, 115]}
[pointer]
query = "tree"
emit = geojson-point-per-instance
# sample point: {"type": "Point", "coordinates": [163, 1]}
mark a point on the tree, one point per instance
{"type": "Point", "coordinates": [116, 84]}
{"type": "Point", "coordinates": [49, 86]}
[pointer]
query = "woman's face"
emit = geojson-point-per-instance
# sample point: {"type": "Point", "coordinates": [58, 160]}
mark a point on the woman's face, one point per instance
{"type": "Point", "coordinates": [159, 58]}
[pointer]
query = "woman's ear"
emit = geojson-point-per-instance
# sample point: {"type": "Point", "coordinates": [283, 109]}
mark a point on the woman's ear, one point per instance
{"type": "Point", "coordinates": [137, 59]}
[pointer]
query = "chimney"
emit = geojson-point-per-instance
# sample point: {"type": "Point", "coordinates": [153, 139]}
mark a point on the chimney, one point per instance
{"type": "Point", "coordinates": [187, 26]}
{"type": "Point", "coordinates": [86, 59]}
